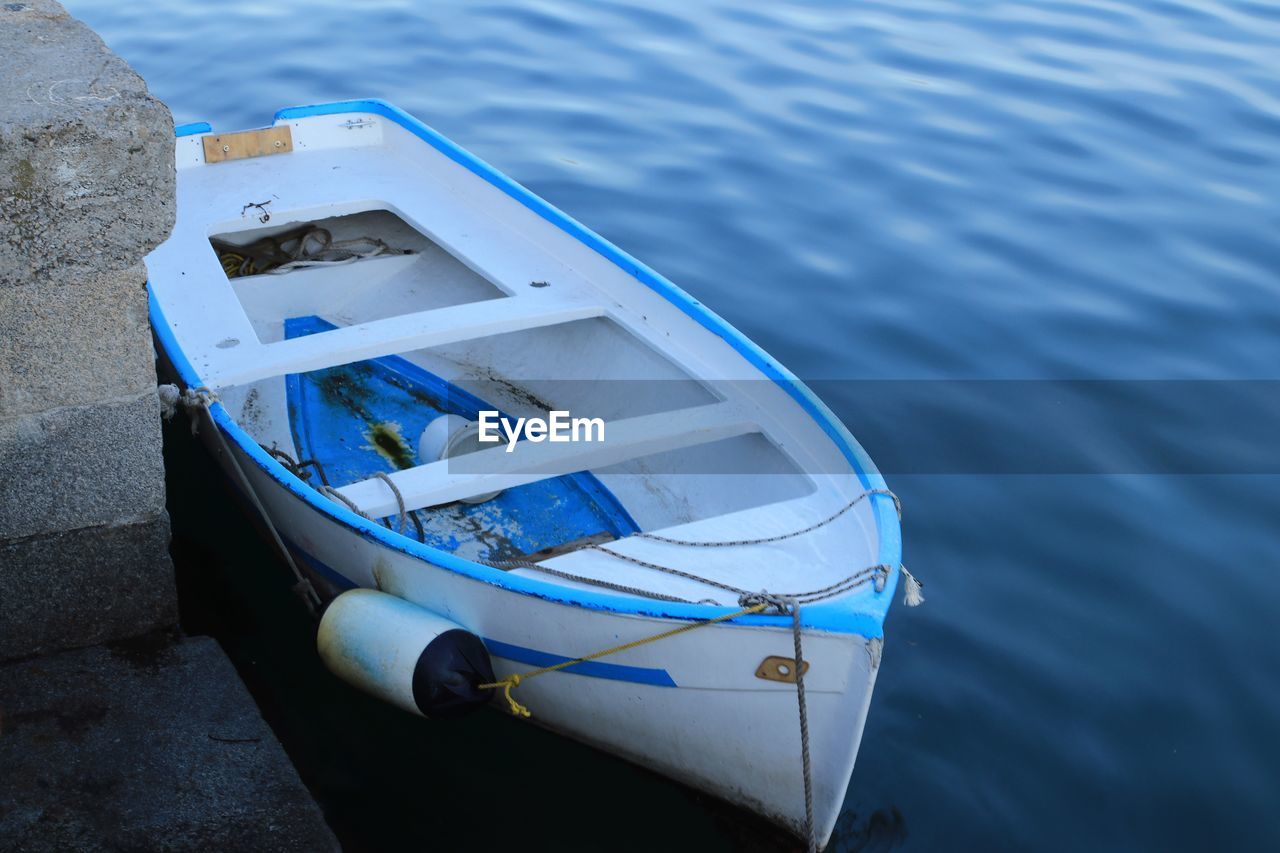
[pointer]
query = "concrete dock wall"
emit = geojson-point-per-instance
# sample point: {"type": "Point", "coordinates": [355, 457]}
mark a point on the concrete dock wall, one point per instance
{"type": "Point", "coordinates": [86, 190]}
{"type": "Point", "coordinates": [117, 732]}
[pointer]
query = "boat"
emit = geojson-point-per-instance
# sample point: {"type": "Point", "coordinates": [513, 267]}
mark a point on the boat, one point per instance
{"type": "Point", "coordinates": [696, 580]}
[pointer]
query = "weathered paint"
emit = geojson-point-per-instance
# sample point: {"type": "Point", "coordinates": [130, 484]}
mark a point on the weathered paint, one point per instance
{"type": "Point", "coordinates": [355, 421]}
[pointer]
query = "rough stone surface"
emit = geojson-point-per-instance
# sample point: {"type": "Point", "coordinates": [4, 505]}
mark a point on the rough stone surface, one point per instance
{"type": "Point", "coordinates": [63, 342]}
{"type": "Point", "coordinates": [86, 154]}
{"type": "Point", "coordinates": [86, 190]}
{"type": "Point", "coordinates": [143, 744]}
{"type": "Point", "coordinates": [84, 586]}
{"type": "Point", "coordinates": [146, 744]}
{"type": "Point", "coordinates": [81, 466]}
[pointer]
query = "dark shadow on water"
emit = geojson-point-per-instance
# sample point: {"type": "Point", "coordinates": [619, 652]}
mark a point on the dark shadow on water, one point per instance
{"type": "Point", "coordinates": [881, 830]}
{"type": "Point", "coordinates": [389, 780]}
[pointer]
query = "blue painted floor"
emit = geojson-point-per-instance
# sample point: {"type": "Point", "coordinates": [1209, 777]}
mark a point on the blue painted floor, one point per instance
{"type": "Point", "coordinates": [359, 419]}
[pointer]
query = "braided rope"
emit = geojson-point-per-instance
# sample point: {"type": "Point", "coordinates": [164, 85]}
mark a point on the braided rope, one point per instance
{"type": "Point", "coordinates": [194, 399]}
{"type": "Point", "coordinates": [617, 587]}
{"type": "Point", "coordinates": [729, 543]}
{"type": "Point", "coordinates": [879, 572]}
{"type": "Point", "coordinates": [804, 728]}
{"type": "Point", "coordinates": [395, 490]}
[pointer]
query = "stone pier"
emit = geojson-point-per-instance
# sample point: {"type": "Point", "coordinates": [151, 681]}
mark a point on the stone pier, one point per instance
{"type": "Point", "coordinates": [86, 191]}
{"type": "Point", "coordinates": [139, 743]}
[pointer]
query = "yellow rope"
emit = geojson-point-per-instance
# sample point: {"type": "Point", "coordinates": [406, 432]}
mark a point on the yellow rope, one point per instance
{"type": "Point", "coordinates": [233, 263]}
{"type": "Point", "coordinates": [512, 681]}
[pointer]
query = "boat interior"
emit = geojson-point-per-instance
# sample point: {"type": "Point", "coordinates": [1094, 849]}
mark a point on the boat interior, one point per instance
{"type": "Point", "coordinates": [359, 327]}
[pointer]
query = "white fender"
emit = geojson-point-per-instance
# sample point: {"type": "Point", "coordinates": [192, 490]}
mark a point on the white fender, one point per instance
{"type": "Point", "coordinates": [403, 654]}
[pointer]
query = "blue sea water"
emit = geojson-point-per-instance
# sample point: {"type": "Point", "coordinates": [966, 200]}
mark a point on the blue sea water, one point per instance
{"type": "Point", "coordinates": [982, 229]}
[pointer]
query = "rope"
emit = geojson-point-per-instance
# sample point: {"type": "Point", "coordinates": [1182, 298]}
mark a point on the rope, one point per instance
{"type": "Point", "coordinates": [334, 253]}
{"type": "Point", "coordinates": [752, 603]}
{"type": "Point", "coordinates": [191, 400]}
{"type": "Point", "coordinates": [308, 246]}
{"type": "Point", "coordinates": [513, 681]}
{"type": "Point", "coordinates": [507, 565]}
{"type": "Point", "coordinates": [417, 526]}
{"type": "Point", "coordinates": [381, 475]}
{"type": "Point", "coordinates": [169, 396]}
{"type": "Point", "coordinates": [912, 588]}
{"type": "Point", "coordinates": [334, 494]}
{"type": "Point", "coordinates": [729, 543]}
{"type": "Point", "coordinates": [804, 728]}
{"type": "Point", "coordinates": [297, 467]}
{"type": "Point", "coordinates": [880, 573]}
{"type": "Point", "coordinates": [194, 399]}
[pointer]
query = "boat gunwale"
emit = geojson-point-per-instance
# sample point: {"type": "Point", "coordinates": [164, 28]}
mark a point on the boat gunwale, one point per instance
{"type": "Point", "coordinates": [863, 616]}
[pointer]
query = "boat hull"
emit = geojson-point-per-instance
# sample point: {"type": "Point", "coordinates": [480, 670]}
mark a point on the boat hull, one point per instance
{"type": "Point", "coordinates": [690, 707]}
{"type": "Point", "coordinates": [501, 282]}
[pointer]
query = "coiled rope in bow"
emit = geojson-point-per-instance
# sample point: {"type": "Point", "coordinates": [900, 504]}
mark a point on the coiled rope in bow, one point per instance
{"type": "Point", "coordinates": [308, 246]}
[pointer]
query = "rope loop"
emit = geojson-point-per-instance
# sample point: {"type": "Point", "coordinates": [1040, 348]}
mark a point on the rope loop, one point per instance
{"type": "Point", "coordinates": [508, 684]}
{"type": "Point", "coordinates": [201, 397]}
{"type": "Point", "coordinates": [767, 602]}
{"type": "Point", "coordinates": [882, 575]}
{"type": "Point", "coordinates": [190, 400]}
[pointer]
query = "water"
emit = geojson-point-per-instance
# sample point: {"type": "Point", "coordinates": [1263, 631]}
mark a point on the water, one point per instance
{"type": "Point", "coordinates": [908, 194]}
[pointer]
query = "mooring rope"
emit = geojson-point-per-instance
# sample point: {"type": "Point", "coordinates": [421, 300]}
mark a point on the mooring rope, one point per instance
{"type": "Point", "coordinates": [202, 398]}
{"type": "Point", "coordinates": [804, 728]}
{"type": "Point", "coordinates": [751, 603]}
{"type": "Point", "coordinates": [513, 681]}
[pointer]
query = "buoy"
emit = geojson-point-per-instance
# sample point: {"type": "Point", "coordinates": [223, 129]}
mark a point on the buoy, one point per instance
{"type": "Point", "coordinates": [404, 654]}
{"type": "Point", "coordinates": [433, 444]}
{"type": "Point", "coordinates": [450, 436]}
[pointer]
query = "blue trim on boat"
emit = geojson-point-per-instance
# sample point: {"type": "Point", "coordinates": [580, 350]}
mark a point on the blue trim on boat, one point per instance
{"type": "Point", "coordinates": [861, 614]}
{"type": "Point", "coordinates": [591, 668]}
{"type": "Point", "coordinates": [192, 129]}
{"type": "Point", "coordinates": [324, 570]}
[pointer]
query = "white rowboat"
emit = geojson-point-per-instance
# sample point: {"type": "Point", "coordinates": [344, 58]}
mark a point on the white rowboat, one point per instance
{"type": "Point", "coordinates": [339, 281]}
